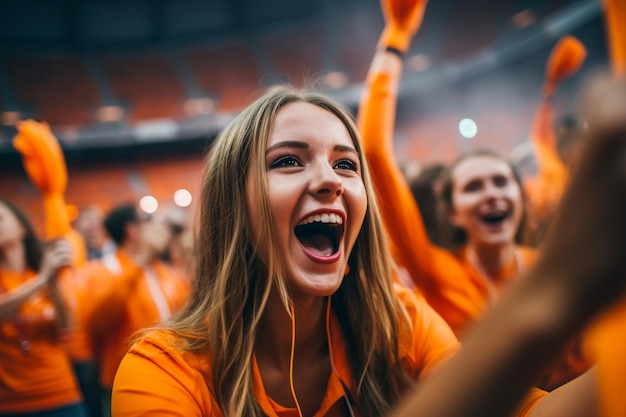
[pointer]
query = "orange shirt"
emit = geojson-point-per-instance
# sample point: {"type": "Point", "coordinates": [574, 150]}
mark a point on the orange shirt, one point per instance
{"type": "Point", "coordinates": [607, 343]}
{"type": "Point", "coordinates": [79, 293]}
{"type": "Point", "coordinates": [125, 298]}
{"type": "Point", "coordinates": [35, 373]}
{"type": "Point", "coordinates": [156, 377]}
{"type": "Point", "coordinates": [450, 284]}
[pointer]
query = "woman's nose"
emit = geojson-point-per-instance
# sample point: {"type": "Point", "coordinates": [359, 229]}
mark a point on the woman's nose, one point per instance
{"type": "Point", "coordinates": [326, 181]}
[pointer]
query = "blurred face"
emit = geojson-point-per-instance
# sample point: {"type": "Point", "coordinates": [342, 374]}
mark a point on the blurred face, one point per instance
{"type": "Point", "coordinates": [486, 201]}
{"type": "Point", "coordinates": [316, 196]}
{"type": "Point", "coordinates": [90, 225]}
{"type": "Point", "coordinates": [11, 231]}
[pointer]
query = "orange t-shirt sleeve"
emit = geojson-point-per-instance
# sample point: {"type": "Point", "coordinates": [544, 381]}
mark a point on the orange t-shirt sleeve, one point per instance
{"type": "Point", "coordinates": [411, 246]}
{"type": "Point", "coordinates": [552, 173]}
{"type": "Point", "coordinates": [438, 274]}
{"type": "Point", "coordinates": [57, 223]}
{"type": "Point", "coordinates": [154, 379]}
{"type": "Point", "coordinates": [606, 341]}
{"type": "Point", "coordinates": [430, 341]}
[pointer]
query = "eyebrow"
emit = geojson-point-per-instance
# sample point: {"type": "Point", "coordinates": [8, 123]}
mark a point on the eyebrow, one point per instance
{"type": "Point", "coordinates": [305, 145]}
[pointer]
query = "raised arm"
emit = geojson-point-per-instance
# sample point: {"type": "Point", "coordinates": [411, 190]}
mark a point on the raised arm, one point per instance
{"type": "Point", "coordinates": [56, 255]}
{"type": "Point", "coordinates": [565, 59]}
{"type": "Point", "coordinates": [569, 285]}
{"type": "Point", "coordinates": [45, 165]}
{"type": "Point", "coordinates": [438, 274]}
{"type": "Point", "coordinates": [376, 119]}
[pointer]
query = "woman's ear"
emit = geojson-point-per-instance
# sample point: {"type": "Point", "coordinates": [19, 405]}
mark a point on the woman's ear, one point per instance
{"type": "Point", "coordinates": [453, 217]}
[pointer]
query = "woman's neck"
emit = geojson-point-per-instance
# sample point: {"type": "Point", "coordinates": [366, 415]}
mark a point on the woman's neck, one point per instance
{"type": "Point", "coordinates": [13, 258]}
{"type": "Point", "coordinates": [301, 382]}
{"type": "Point", "coordinates": [493, 258]}
{"type": "Point", "coordinates": [274, 336]}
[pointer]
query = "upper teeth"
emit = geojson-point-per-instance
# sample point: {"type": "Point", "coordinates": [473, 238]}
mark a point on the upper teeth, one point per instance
{"type": "Point", "coordinates": [324, 218]}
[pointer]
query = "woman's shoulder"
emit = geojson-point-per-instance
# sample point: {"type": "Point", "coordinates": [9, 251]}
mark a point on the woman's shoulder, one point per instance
{"type": "Point", "coordinates": [418, 311]}
{"type": "Point", "coordinates": [159, 374]}
{"type": "Point", "coordinates": [169, 350]}
{"type": "Point", "coordinates": [427, 339]}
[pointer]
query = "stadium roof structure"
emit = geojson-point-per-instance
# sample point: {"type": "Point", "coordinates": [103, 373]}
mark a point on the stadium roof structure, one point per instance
{"type": "Point", "coordinates": [460, 41]}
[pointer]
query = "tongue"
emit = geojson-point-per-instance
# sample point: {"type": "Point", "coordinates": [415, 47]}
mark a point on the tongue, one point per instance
{"type": "Point", "coordinates": [319, 244]}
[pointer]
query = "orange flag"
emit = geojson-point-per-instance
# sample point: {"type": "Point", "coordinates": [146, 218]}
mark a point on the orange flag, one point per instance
{"type": "Point", "coordinates": [45, 165]}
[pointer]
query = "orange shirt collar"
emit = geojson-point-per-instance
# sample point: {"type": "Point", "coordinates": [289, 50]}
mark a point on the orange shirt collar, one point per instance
{"type": "Point", "coordinates": [334, 390]}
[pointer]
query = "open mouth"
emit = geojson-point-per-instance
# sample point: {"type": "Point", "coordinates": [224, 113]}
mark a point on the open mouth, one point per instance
{"type": "Point", "coordinates": [321, 234]}
{"type": "Point", "coordinates": [495, 217]}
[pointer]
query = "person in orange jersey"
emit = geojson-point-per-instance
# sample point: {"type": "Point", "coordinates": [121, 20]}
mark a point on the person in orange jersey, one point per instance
{"type": "Point", "coordinates": [36, 377]}
{"type": "Point", "coordinates": [296, 312]}
{"type": "Point", "coordinates": [129, 289]}
{"type": "Point", "coordinates": [90, 224]}
{"type": "Point", "coordinates": [483, 200]}
{"type": "Point", "coordinates": [44, 163]}
{"type": "Point", "coordinates": [483, 194]}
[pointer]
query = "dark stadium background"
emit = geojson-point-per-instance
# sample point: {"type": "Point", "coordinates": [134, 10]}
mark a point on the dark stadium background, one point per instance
{"type": "Point", "coordinates": [135, 90]}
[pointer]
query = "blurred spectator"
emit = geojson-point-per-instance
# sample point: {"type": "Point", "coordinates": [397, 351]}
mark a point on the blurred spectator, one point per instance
{"type": "Point", "coordinates": [90, 224]}
{"type": "Point", "coordinates": [129, 289]}
{"type": "Point", "coordinates": [35, 371]}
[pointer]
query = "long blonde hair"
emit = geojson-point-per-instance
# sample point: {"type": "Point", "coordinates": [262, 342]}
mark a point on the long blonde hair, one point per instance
{"type": "Point", "coordinates": [234, 282]}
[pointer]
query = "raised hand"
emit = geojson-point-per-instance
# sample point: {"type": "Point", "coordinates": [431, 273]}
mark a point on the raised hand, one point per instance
{"type": "Point", "coordinates": [402, 20]}
{"type": "Point", "coordinates": [565, 59]}
{"type": "Point", "coordinates": [57, 254]}
{"type": "Point", "coordinates": [42, 156]}
{"type": "Point", "coordinates": [45, 165]}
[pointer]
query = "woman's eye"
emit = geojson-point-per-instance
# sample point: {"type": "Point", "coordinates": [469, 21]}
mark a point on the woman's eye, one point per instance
{"type": "Point", "coordinates": [287, 161]}
{"type": "Point", "coordinates": [500, 181]}
{"type": "Point", "coordinates": [347, 164]}
{"type": "Point", "coordinates": [472, 186]}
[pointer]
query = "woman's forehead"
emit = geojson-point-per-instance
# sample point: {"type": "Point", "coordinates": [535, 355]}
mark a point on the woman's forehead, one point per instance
{"type": "Point", "coordinates": [304, 120]}
{"type": "Point", "coordinates": [480, 166]}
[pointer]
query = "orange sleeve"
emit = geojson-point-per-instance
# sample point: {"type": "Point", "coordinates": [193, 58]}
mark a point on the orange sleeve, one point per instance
{"type": "Point", "coordinates": [411, 247]}
{"type": "Point", "coordinates": [438, 274]}
{"type": "Point", "coordinates": [431, 340]}
{"type": "Point", "coordinates": [155, 379]}
{"type": "Point", "coordinates": [552, 174]}
{"type": "Point", "coordinates": [79, 247]}
{"type": "Point", "coordinates": [607, 342]}
{"type": "Point", "coordinates": [566, 58]}
{"type": "Point", "coordinates": [615, 16]}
